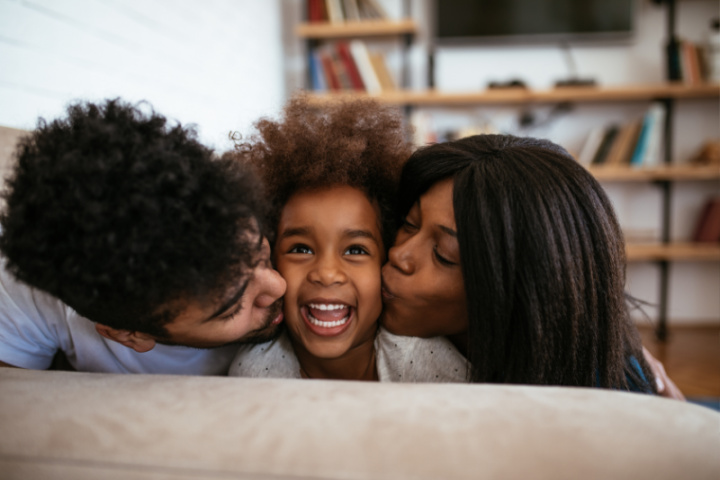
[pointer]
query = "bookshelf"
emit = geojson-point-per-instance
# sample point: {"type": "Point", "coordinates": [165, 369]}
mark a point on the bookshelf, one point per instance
{"type": "Point", "coordinates": [663, 176]}
{"type": "Point", "coordinates": [637, 93]}
{"type": "Point", "coordinates": [316, 33]}
{"type": "Point", "coordinates": [362, 28]}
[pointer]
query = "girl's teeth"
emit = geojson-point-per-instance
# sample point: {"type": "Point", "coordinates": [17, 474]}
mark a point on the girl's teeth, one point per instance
{"type": "Point", "coordinates": [320, 323]}
{"type": "Point", "coordinates": [322, 306]}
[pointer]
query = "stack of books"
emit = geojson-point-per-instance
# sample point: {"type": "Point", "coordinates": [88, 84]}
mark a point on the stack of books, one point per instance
{"type": "Point", "coordinates": [349, 66]}
{"type": "Point", "coordinates": [637, 143]}
{"type": "Point", "coordinates": [337, 11]}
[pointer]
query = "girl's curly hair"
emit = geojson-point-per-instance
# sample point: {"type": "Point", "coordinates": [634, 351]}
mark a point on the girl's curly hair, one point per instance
{"type": "Point", "coordinates": [122, 216]}
{"type": "Point", "coordinates": [354, 142]}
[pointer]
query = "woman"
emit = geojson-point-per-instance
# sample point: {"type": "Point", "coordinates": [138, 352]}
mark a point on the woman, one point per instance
{"type": "Point", "coordinates": [511, 249]}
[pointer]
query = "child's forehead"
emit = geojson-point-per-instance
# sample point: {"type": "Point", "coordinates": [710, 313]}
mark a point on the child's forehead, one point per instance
{"type": "Point", "coordinates": [337, 205]}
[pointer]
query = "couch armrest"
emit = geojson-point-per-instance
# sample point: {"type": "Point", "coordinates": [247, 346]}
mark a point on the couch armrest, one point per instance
{"type": "Point", "coordinates": [90, 426]}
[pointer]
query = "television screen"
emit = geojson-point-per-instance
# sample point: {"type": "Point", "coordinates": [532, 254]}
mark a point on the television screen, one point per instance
{"type": "Point", "coordinates": [532, 20]}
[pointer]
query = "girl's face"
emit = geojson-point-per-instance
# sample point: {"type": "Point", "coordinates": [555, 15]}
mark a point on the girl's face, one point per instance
{"type": "Point", "coordinates": [329, 250]}
{"type": "Point", "coordinates": [423, 286]}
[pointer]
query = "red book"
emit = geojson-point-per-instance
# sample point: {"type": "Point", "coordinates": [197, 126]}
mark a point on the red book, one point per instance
{"type": "Point", "coordinates": [708, 226]}
{"type": "Point", "coordinates": [350, 67]}
{"type": "Point", "coordinates": [316, 11]}
{"type": "Point", "coordinates": [332, 80]}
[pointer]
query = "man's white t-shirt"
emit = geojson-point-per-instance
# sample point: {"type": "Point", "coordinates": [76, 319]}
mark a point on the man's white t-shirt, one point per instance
{"type": "Point", "coordinates": [35, 325]}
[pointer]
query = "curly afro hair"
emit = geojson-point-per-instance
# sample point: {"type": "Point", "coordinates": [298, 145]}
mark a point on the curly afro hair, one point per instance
{"type": "Point", "coordinates": [121, 215]}
{"type": "Point", "coordinates": [354, 142]}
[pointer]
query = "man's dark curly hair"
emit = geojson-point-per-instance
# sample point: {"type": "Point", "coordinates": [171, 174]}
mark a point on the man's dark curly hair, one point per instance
{"type": "Point", "coordinates": [354, 142]}
{"type": "Point", "coordinates": [124, 217]}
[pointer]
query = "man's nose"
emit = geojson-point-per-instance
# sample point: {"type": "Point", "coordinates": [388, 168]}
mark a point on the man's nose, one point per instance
{"type": "Point", "coordinates": [273, 286]}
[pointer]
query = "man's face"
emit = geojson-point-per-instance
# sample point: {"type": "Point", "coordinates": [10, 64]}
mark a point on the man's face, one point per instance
{"type": "Point", "coordinates": [251, 312]}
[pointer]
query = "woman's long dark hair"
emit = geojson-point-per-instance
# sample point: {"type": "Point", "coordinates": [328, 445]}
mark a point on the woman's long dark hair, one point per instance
{"type": "Point", "coordinates": [543, 262]}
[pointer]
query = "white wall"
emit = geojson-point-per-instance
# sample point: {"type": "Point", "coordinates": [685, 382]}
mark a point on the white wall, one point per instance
{"type": "Point", "coordinates": [215, 63]}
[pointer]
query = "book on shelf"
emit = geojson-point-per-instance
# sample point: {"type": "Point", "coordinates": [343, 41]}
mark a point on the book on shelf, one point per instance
{"type": "Point", "coordinates": [690, 61]}
{"type": "Point", "coordinates": [707, 228]}
{"type": "Point", "coordinates": [623, 145]}
{"type": "Point", "coordinates": [332, 79]}
{"type": "Point", "coordinates": [351, 10]}
{"type": "Point", "coordinates": [647, 150]}
{"type": "Point", "coordinates": [380, 66]}
{"type": "Point", "coordinates": [603, 149]}
{"type": "Point", "coordinates": [338, 11]}
{"type": "Point", "coordinates": [592, 142]}
{"type": "Point", "coordinates": [361, 55]}
{"type": "Point", "coordinates": [349, 66]}
{"type": "Point", "coordinates": [317, 73]}
{"type": "Point", "coordinates": [334, 11]}
{"type": "Point", "coordinates": [316, 11]}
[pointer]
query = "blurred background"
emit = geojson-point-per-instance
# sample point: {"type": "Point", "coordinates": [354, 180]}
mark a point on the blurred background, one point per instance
{"type": "Point", "coordinates": [222, 64]}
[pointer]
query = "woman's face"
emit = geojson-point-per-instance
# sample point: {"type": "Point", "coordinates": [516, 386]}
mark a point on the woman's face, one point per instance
{"type": "Point", "coordinates": [423, 288]}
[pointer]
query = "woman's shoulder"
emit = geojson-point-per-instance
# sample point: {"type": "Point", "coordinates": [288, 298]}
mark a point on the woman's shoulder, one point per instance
{"type": "Point", "coordinates": [274, 359]}
{"type": "Point", "coordinates": [415, 359]}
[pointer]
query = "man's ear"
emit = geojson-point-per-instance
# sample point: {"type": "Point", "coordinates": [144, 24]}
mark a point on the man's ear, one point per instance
{"type": "Point", "coordinates": [140, 342]}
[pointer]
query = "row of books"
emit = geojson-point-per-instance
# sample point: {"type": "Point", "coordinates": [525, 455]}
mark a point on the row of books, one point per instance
{"type": "Point", "coordinates": [337, 11]}
{"type": "Point", "coordinates": [689, 62]}
{"type": "Point", "coordinates": [637, 143]}
{"type": "Point", "coordinates": [349, 66]}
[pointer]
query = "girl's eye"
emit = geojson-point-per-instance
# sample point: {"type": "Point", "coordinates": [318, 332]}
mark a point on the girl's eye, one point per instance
{"type": "Point", "coordinates": [302, 249]}
{"type": "Point", "coordinates": [356, 250]}
{"type": "Point", "coordinates": [442, 259]}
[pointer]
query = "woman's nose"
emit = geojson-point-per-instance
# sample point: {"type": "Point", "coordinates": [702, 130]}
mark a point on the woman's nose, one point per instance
{"type": "Point", "coordinates": [400, 257]}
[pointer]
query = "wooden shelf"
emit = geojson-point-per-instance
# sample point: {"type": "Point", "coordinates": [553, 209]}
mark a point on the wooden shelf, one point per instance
{"type": "Point", "coordinates": [672, 172]}
{"type": "Point", "coordinates": [365, 28]}
{"type": "Point", "coordinates": [673, 251]}
{"type": "Point", "coordinates": [518, 95]}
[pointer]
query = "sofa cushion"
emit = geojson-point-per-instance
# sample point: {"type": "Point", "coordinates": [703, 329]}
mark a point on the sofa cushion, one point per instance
{"type": "Point", "coordinates": [90, 426]}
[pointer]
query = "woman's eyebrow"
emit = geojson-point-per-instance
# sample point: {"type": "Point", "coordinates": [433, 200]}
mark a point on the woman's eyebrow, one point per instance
{"type": "Point", "coordinates": [448, 230]}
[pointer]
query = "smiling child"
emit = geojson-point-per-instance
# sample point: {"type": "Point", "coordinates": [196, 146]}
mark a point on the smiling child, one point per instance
{"type": "Point", "coordinates": [331, 175]}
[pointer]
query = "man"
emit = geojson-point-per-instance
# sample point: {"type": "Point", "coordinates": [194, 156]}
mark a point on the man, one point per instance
{"type": "Point", "coordinates": [128, 247]}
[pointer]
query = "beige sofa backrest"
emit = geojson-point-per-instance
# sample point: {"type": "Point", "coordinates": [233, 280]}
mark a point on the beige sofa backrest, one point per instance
{"type": "Point", "coordinates": [90, 426]}
{"type": "Point", "coordinates": [8, 140]}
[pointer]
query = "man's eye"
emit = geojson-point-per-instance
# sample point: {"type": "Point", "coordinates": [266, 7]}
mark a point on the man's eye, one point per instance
{"type": "Point", "coordinates": [302, 249]}
{"type": "Point", "coordinates": [356, 250]}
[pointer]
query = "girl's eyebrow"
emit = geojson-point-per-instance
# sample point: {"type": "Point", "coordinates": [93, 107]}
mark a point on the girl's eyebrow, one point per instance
{"type": "Point", "coordinates": [359, 233]}
{"type": "Point", "coordinates": [292, 232]}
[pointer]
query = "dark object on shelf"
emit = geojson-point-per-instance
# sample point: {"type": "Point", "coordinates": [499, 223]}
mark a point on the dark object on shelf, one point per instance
{"type": "Point", "coordinates": [707, 228]}
{"type": "Point", "coordinates": [532, 21]}
{"type": "Point", "coordinates": [576, 82]}
{"type": "Point", "coordinates": [515, 83]}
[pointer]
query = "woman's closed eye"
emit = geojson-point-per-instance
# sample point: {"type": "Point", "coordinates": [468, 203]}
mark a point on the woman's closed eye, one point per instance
{"type": "Point", "coordinates": [442, 259]}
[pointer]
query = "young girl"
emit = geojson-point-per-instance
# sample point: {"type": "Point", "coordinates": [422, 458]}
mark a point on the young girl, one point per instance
{"type": "Point", "coordinates": [331, 174]}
